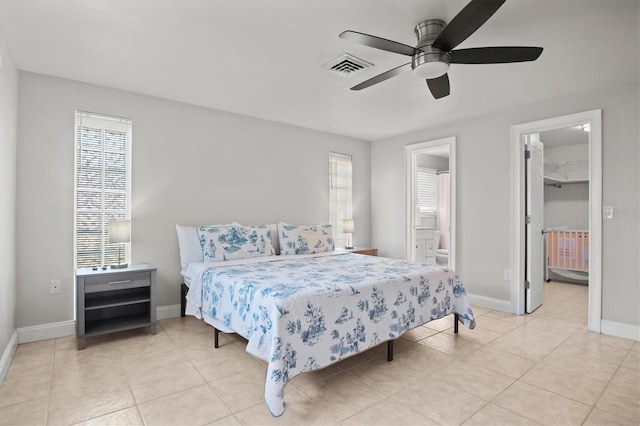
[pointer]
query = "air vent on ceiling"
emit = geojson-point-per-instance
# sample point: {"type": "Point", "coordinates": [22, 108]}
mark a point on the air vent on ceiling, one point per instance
{"type": "Point", "coordinates": [347, 65]}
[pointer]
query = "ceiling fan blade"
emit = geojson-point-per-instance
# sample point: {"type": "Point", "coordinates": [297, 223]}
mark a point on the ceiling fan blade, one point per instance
{"type": "Point", "coordinates": [439, 86]}
{"type": "Point", "coordinates": [382, 77]}
{"type": "Point", "coordinates": [495, 55]}
{"type": "Point", "coordinates": [466, 22]}
{"type": "Point", "coordinates": [378, 42]}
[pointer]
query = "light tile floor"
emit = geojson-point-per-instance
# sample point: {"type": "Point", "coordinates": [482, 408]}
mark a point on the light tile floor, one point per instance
{"type": "Point", "coordinates": [543, 368]}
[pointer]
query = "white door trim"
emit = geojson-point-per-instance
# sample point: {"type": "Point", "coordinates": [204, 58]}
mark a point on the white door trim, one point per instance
{"type": "Point", "coordinates": [594, 119]}
{"type": "Point", "coordinates": [411, 152]}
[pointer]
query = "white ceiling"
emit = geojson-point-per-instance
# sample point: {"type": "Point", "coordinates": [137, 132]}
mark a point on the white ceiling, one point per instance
{"type": "Point", "coordinates": [264, 58]}
{"type": "Point", "coordinates": [574, 135]}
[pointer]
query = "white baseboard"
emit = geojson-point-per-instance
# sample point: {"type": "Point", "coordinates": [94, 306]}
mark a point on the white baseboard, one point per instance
{"type": "Point", "coordinates": [7, 355]}
{"type": "Point", "coordinates": [168, 311]}
{"type": "Point", "coordinates": [619, 329]}
{"type": "Point", "coordinates": [490, 303]}
{"type": "Point", "coordinates": [68, 328]}
{"type": "Point", "coordinates": [52, 330]}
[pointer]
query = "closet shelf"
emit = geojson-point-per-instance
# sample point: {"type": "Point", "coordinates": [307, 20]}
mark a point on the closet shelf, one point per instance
{"type": "Point", "coordinates": [553, 181]}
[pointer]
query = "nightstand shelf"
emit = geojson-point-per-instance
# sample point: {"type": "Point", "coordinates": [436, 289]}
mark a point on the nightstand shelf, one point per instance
{"type": "Point", "coordinates": [112, 325]}
{"type": "Point", "coordinates": [112, 300]}
{"type": "Point", "coordinates": [107, 300]}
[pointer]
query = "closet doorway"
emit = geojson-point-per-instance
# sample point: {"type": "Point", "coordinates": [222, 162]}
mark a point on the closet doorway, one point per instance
{"type": "Point", "coordinates": [431, 202]}
{"type": "Point", "coordinates": [585, 167]}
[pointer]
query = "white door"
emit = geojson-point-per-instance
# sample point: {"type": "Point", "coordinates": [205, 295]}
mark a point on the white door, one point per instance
{"type": "Point", "coordinates": [535, 222]}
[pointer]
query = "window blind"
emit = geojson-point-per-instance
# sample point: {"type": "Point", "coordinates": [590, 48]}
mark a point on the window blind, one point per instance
{"type": "Point", "coordinates": [102, 186]}
{"type": "Point", "coordinates": [426, 189]}
{"type": "Point", "coordinates": [340, 194]}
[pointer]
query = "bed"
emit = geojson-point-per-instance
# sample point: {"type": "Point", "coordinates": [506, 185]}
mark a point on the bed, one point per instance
{"type": "Point", "coordinates": [302, 312]}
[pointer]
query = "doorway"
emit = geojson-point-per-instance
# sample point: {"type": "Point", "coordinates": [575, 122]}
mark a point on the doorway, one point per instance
{"type": "Point", "coordinates": [519, 134]}
{"type": "Point", "coordinates": [431, 225]}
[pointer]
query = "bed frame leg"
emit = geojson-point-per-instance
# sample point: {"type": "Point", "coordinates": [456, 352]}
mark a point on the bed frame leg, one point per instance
{"type": "Point", "coordinates": [215, 337]}
{"type": "Point", "coordinates": [455, 323]}
{"type": "Point", "coordinates": [390, 350]}
{"type": "Point", "coordinates": [183, 299]}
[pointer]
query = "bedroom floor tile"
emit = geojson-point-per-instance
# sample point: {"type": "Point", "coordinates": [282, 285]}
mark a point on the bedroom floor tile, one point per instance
{"type": "Point", "coordinates": [491, 415]}
{"type": "Point", "coordinates": [300, 411]}
{"type": "Point", "coordinates": [477, 335]}
{"type": "Point", "coordinates": [388, 412]}
{"type": "Point", "coordinates": [164, 381]}
{"type": "Point", "coordinates": [194, 406]}
{"type": "Point", "coordinates": [573, 386]}
{"type": "Point", "coordinates": [342, 395]}
{"type": "Point", "coordinates": [505, 363]}
{"type": "Point", "coordinates": [542, 406]}
{"type": "Point", "coordinates": [440, 402]}
{"type": "Point", "coordinates": [241, 390]}
{"type": "Point", "coordinates": [476, 380]}
{"type": "Point", "coordinates": [568, 374]}
{"type": "Point", "coordinates": [26, 413]}
{"type": "Point", "coordinates": [24, 388]}
{"type": "Point", "coordinates": [450, 344]}
{"type": "Point", "coordinates": [127, 417]}
{"type": "Point", "coordinates": [85, 401]}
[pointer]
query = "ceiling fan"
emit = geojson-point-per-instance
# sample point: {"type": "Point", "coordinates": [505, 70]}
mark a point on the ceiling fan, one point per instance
{"type": "Point", "coordinates": [431, 57]}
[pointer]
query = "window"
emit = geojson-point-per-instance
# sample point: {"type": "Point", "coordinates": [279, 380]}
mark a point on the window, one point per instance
{"type": "Point", "coordinates": [102, 186]}
{"type": "Point", "coordinates": [426, 190]}
{"type": "Point", "coordinates": [340, 197]}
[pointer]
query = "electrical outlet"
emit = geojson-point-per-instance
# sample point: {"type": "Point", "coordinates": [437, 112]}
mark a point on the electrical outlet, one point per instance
{"type": "Point", "coordinates": [607, 212]}
{"type": "Point", "coordinates": [507, 274]}
{"type": "Point", "coordinates": [55, 286]}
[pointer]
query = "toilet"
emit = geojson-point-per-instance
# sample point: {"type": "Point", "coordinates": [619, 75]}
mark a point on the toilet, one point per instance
{"type": "Point", "coordinates": [442, 254]}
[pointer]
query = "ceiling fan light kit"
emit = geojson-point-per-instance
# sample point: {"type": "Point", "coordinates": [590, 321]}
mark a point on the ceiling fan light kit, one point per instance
{"type": "Point", "coordinates": [434, 52]}
{"type": "Point", "coordinates": [429, 62]}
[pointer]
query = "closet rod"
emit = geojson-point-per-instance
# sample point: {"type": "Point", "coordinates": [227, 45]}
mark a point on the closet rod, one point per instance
{"type": "Point", "coordinates": [442, 171]}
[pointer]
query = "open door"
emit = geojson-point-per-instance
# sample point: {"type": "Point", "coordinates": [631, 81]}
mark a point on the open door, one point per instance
{"type": "Point", "coordinates": [534, 268]}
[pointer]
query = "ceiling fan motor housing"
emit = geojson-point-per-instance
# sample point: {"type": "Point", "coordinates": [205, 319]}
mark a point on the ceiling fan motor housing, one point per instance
{"type": "Point", "coordinates": [429, 61]}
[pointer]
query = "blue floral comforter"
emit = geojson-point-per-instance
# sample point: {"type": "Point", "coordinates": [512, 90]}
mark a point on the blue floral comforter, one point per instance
{"type": "Point", "coordinates": [301, 313]}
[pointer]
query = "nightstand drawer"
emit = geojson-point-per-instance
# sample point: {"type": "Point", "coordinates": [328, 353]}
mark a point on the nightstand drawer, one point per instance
{"type": "Point", "coordinates": [117, 282]}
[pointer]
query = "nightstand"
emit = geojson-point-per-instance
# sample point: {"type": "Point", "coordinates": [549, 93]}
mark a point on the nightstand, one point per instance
{"type": "Point", "coordinates": [112, 300]}
{"type": "Point", "coordinates": [362, 250]}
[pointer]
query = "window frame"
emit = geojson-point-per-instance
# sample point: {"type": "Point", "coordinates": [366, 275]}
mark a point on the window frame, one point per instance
{"type": "Point", "coordinates": [108, 123]}
{"type": "Point", "coordinates": [339, 236]}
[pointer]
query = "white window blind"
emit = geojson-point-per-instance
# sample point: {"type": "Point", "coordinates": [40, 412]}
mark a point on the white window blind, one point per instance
{"type": "Point", "coordinates": [102, 186]}
{"type": "Point", "coordinates": [426, 189]}
{"type": "Point", "coordinates": [340, 194]}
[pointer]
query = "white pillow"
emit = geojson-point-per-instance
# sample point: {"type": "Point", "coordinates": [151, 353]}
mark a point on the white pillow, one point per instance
{"type": "Point", "coordinates": [305, 239]}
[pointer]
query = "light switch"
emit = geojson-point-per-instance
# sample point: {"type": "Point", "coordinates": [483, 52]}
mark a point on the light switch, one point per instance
{"type": "Point", "coordinates": [607, 212]}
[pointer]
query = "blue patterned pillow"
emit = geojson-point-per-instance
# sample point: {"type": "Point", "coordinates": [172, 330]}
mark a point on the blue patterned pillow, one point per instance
{"type": "Point", "coordinates": [305, 239]}
{"type": "Point", "coordinates": [241, 242]}
{"type": "Point", "coordinates": [234, 241]}
{"type": "Point", "coordinates": [209, 237]}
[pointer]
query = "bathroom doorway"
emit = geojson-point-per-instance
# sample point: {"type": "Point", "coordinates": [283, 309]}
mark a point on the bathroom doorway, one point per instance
{"type": "Point", "coordinates": [431, 202]}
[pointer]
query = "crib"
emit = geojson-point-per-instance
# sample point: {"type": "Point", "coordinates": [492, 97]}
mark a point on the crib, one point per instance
{"type": "Point", "coordinates": [568, 254]}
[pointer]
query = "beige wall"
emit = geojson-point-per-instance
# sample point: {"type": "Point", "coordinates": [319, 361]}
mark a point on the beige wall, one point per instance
{"type": "Point", "coordinates": [190, 165]}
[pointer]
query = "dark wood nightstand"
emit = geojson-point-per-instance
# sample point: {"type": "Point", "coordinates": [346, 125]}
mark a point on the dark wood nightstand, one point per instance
{"type": "Point", "coordinates": [362, 250]}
